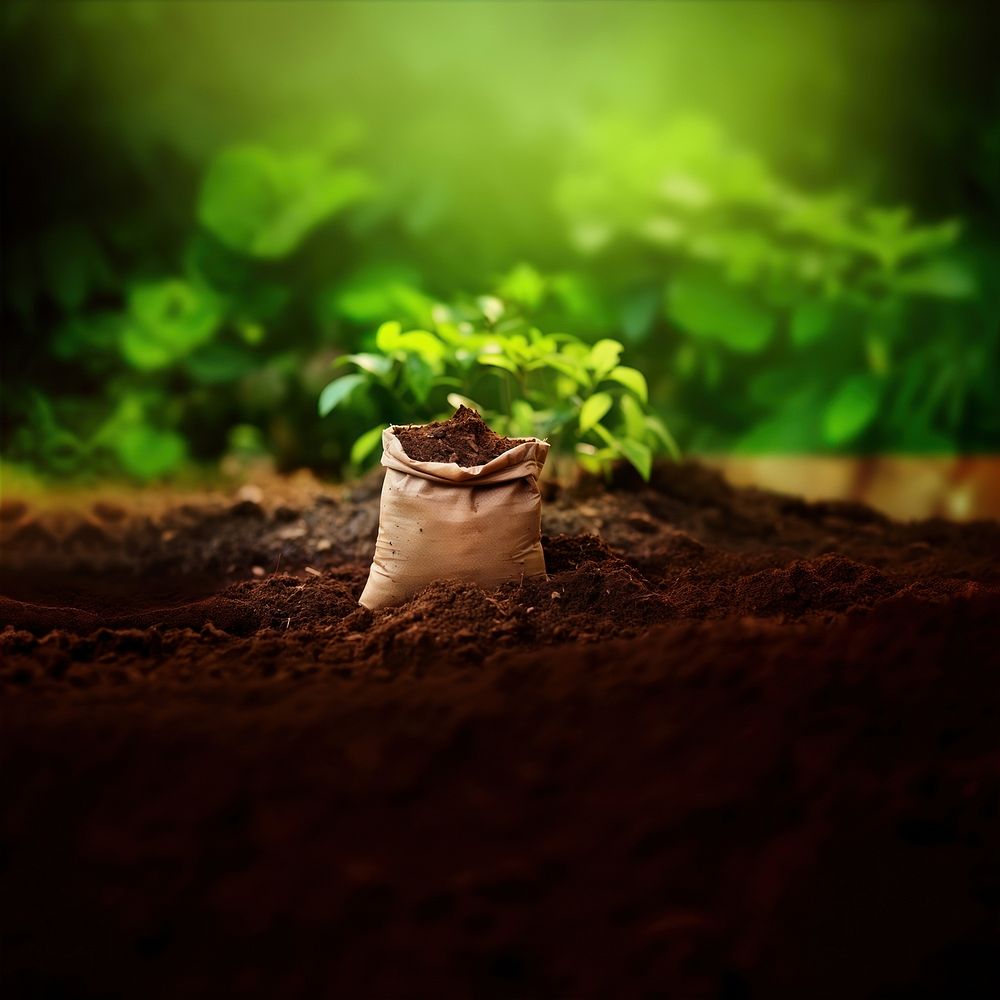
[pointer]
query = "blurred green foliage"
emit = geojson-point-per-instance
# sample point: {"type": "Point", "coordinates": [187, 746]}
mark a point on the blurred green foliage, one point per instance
{"type": "Point", "coordinates": [211, 207]}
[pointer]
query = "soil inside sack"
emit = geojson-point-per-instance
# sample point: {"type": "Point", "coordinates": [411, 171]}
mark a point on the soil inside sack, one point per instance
{"type": "Point", "coordinates": [465, 439]}
{"type": "Point", "coordinates": [459, 502]}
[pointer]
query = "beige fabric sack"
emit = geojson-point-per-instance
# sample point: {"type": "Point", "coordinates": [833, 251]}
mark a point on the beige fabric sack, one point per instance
{"type": "Point", "coordinates": [439, 520]}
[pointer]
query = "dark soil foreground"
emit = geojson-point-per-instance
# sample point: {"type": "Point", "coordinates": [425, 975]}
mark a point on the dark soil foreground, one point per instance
{"type": "Point", "coordinates": [736, 745]}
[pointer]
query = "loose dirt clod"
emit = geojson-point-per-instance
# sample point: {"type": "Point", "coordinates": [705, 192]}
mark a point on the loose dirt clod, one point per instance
{"type": "Point", "coordinates": [464, 439]}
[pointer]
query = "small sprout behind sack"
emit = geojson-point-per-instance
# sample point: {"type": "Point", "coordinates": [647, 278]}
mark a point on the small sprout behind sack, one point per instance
{"type": "Point", "coordinates": [458, 502]}
{"type": "Point", "coordinates": [489, 354]}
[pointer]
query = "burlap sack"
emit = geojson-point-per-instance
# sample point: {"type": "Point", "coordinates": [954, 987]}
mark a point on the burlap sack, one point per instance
{"type": "Point", "coordinates": [441, 521]}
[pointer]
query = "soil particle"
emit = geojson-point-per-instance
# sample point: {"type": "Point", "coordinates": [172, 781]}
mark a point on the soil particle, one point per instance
{"type": "Point", "coordinates": [464, 439]}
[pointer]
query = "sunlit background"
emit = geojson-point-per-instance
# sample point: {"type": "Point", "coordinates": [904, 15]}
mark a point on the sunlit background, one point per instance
{"type": "Point", "coordinates": [787, 213]}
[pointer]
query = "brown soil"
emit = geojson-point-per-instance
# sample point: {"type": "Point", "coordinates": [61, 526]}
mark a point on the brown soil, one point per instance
{"type": "Point", "coordinates": [464, 438]}
{"type": "Point", "coordinates": [735, 745]}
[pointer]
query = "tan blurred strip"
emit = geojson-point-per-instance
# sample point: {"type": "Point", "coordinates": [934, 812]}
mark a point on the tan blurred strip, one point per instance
{"type": "Point", "coordinates": [961, 489]}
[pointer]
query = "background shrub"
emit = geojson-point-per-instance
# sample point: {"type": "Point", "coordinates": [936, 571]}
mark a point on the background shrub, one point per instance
{"type": "Point", "coordinates": [787, 215]}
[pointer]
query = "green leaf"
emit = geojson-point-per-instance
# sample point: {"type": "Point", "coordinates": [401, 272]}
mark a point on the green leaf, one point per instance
{"type": "Point", "coordinates": [565, 387]}
{"type": "Point", "coordinates": [371, 294]}
{"type": "Point", "coordinates": [635, 418]}
{"type": "Point", "coordinates": [391, 340]}
{"type": "Point", "coordinates": [516, 347]}
{"type": "Point", "coordinates": [265, 204]}
{"type": "Point", "coordinates": [498, 361]}
{"type": "Point", "coordinates": [144, 352]}
{"type": "Point", "coordinates": [943, 279]}
{"type": "Point", "coordinates": [366, 444]}
{"type": "Point", "coordinates": [877, 353]}
{"type": "Point", "coordinates": [638, 455]}
{"type": "Point", "coordinates": [549, 422]}
{"type": "Point", "coordinates": [542, 345]}
{"type": "Point", "coordinates": [565, 366]}
{"type": "Point", "coordinates": [456, 399]}
{"type": "Point", "coordinates": [523, 285]}
{"type": "Point", "coordinates": [706, 307]}
{"type": "Point", "coordinates": [593, 410]}
{"type": "Point", "coordinates": [149, 453]}
{"type": "Point", "coordinates": [660, 430]}
{"type": "Point", "coordinates": [604, 356]}
{"type": "Point", "coordinates": [338, 390]}
{"type": "Point", "coordinates": [605, 435]}
{"type": "Point", "coordinates": [374, 364]}
{"type": "Point", "coordinates": [419, 377]}
{"type": "Point", "coordinates": [632, 379]}
{"type": "Point", "coordinates": [387, 336]}
{"type": "Point", "coordinates": [522, 419]}
{"type": "Point", "coordinates": [852, 408]}
{"type": "Point", "coordinates": [176, 310]}
{"type": "Point", "coordinates": [810, 321]}
{"type": "Point", "coordinates": [424, 344]}
{"type": "Point", "coordinates": [167, 320]}
{"type": "Point", "coordinates": [413, 304]}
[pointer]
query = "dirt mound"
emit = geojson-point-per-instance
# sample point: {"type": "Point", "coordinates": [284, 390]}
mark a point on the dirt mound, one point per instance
{"type": "Point", "coordinates": [804, 587]}
{"type": "Point", "coordinates": [284, 601]}
{"type": "Point", "coordinates": [232, 616]}
{"type": "Point", "coordinates": [464, 438]}
{"type": "Point", "coordinates": [565, 552]}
